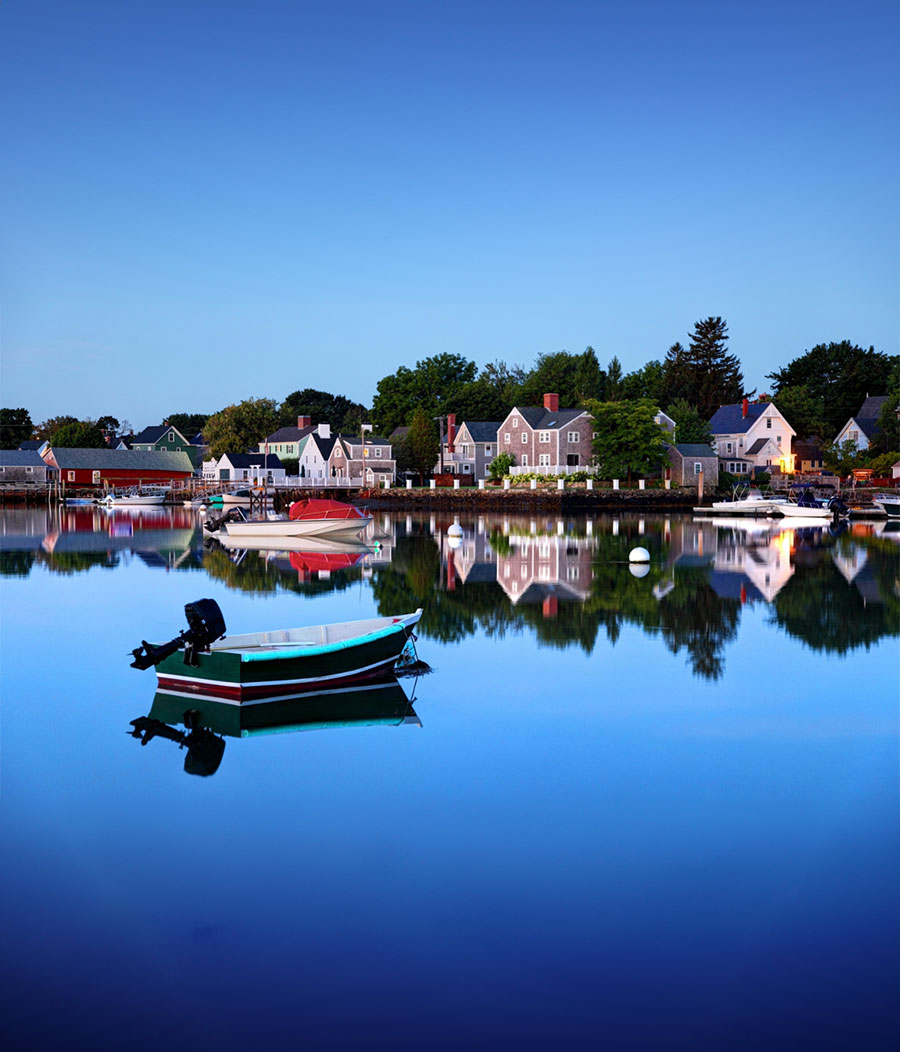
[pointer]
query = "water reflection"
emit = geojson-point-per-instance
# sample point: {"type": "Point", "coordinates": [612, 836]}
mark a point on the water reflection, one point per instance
{"type": "Point", "coordinates": [200, 725]}
{"type": "Point", "coordinates": [566, 581]}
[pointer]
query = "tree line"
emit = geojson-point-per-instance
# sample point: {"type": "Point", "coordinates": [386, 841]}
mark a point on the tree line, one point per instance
{"type": "Point", "coordinates": [817, 392]}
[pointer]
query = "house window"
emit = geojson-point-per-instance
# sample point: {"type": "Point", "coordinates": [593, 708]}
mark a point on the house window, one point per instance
{"type": "Point", "coordinates": [515, 421]}
{"type": "Point", "coordinates": [337, 452]}
{"type": "Point", "coordinates": [853, 436]}
{"type": "Point", "coordinates": [377, 452]}
{"type": "Point", "coordinates": [466, 469]}
{"type": "Point", "coordinates": [71, 476]}
{"type": "Point", "coordinates": [571, 573]}
{"type": "Point", "coordinates": [545, 436]}
{"type": "Point", "coordinates": [465, 450]}
{"type": "Point", "coordinates": [729, 447]}
{"type": "Point", "coordinates": [698, 467]}
{"type": "Point", "coordinates": [574, 436]}
{"type": "Point", "coordinates": [27, 470]}
{"type": "Point", "coordinates": [178, 449]}
{"type": "Point", "coordinates": [95, 476]}
{"type": "Point", "coordinates": [506, 436]}
{"type": "Point", "coordinates": [544, 460]}
{"type": "Point", "coordinates": [487, 451]}
{"type": "Point", "coordinates": [246, 474]}
{"type": "Point", "coordinates": [524, 438]}
{"type": "Point", "coordinates": [171, 436]}
{"type": "Point", "coordinates": [524, 460]}
{"type": "Point", "coordinates": [769, 423]}
{"type": "Point", "coordinates": [778, 439]}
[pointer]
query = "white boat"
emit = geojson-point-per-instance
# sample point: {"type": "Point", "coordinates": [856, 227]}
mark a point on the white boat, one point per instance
{"type": "Point", "coordinates": [801, 503]}
{"type": "Point", "coordinates": [113, 500]}
{"type": "Point", "coordinates": [274, 528]}
{"type": "Point", "coordinates": [751, 502]}
{"type": "Point", "coordinates": [889, 504]}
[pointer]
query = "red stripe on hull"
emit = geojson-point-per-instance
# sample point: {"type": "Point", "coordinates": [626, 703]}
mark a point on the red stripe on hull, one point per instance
{"type": "Point", "coordinates": [253, 691]}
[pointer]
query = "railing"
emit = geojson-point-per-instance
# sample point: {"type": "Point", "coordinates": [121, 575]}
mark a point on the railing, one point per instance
{"type": "Point", "coordinates": [548, 469]}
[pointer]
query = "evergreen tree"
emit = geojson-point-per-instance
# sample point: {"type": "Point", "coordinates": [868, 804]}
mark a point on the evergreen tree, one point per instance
{"type": "Point", "coordinates": [690, 426]}
{"type": "Point", "coordinates": [717, 374]}
{"type": "Point", "coordinates": [590, 379]}
{"type": "Point", "coordinates": [678, 380]}
{"type": "Point", "coordinates": [614, 381]}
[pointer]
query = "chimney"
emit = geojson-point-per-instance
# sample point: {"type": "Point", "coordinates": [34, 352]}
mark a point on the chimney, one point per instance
{"type": "Point", "coordinates": [304, 421]}
{"type": "Point", "coordinates": [551, 403]}
{"type": "Point", "coordinates": [324, 430]}
{"type": "Point", "coordinates": [451, 431]}
{"type": "Point", "coordinates": [745, 407]}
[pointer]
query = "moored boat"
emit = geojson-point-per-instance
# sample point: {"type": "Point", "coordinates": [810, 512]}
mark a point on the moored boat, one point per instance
{"type": "Point", "coordinates": [889, 504]}
{"type": "Point", "coordinates": [306, 518]}
{"type": "Point", "coordinates": [744, 502]}
{"type": "Point", "coordinates": [126, 500]}
{"type": "Point", "coordinates": [257, 665]}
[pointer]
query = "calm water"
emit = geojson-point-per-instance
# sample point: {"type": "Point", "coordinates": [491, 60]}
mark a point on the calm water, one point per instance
{"type": "Point", "coordinates": [652, 811]}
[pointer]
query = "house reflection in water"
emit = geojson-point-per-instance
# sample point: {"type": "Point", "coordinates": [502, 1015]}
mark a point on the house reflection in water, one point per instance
{"type": "Point", "coordinates": [546, 569]}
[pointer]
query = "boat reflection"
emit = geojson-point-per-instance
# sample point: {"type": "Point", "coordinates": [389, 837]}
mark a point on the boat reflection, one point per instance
{"type": "Point", "coordinates": [200, 724]}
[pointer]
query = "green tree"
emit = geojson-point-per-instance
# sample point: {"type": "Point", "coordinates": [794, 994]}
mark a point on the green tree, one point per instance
{"type": "Point", "coordinates": [678, 381]}
{"type": "Point", "coordinates": [804, 411]}
{"type": "Point", "coordinates": [628, 440]}
{"type": "Point", "coordinates": [46, 428]}
{"type": "Point", "coordinates": [843, 457]}
{"type": "Point", "coordinates": [83, 434]}
{"type": "Point", "coordinates": [15, 427]}
{"type": "Point", "coordinates": [888, 435]}
{"type": "Point", "coordinates": [240, 428]}
{"type": "Point", "coordinates": [501, 464]}
{"type": "Point", "coordinates": [646, 382]}
{"type": "Point", "coordinates": [590, 379]}
{"type": "Point", "coordinates": [322, 407]}
{"type": "Point", "coordinates": [690, 426]}
{"type": "Point", "coordinates": [553, 373]}
{"type": "Point", "coordinates": [840, 376]}
{"type": "Point", "coordinates": [424, 444]}
{"type": "Point", "coordinates": [189, 424]}
{"type": "Point", "coordinates": [433, 385]}
{"type": "Point", "coordinates": [478, 400]}
{"type": "Point", "coordinates": [717, 374]}
{"type": "Point", "coordinates": [507, 381]}
{"type": "Point", "coordinates": [615, 387]}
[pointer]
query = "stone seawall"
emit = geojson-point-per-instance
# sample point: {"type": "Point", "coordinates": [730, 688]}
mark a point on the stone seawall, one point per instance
{"type": "Point", "coordinates": [498, 500]}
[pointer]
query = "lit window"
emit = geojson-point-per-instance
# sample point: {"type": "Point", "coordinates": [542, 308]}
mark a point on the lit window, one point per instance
{"type": "Point", "coordinates": [71, 475]}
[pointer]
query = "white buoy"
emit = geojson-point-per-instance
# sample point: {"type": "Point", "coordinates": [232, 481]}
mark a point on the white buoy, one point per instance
{"type": "Point", "coordinates": [454, 540]}
{"type": "Point", "coordinates": [455, 530]}
{"type": "Point", "coordinates": [639, 569]}
{"type": "Point", "coordinates": [639, 555]}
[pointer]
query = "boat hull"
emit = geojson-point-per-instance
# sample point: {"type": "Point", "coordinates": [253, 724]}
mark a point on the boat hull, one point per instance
{"type": "Point", "coordinates": [889, 505]}
{"type": "Point", "coordinates": [273, 529]}
{"type": "Point", "coordinates": [799, 511]}
{"type": "Point", "coordinates": [127, 502]}
{"type": "Point", "coordinates": [244, 675]}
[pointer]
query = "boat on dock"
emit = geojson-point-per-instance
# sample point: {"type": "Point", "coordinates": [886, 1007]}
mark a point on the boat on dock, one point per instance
{"type": "Point", "coordinates": [257, 665]}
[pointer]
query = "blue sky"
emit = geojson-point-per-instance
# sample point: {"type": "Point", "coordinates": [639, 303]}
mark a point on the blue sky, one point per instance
{"type": "Point", "coordinates": [203, 202]}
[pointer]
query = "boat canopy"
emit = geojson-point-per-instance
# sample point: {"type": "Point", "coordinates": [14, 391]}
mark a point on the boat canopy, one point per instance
{"type": "Point", "coordinates": [320, 508]}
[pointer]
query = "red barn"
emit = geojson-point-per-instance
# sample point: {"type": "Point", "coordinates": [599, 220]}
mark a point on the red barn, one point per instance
{"type": "Point", "coordinates": [116, 468]}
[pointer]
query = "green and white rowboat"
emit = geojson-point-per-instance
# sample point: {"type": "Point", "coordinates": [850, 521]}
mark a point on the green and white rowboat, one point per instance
{"type": "Point", "coordinates": [264, 665]}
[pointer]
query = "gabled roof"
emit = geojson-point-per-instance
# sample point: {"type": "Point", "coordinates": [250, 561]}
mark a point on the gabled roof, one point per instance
{"type": "Point", "coordinates": [756, 447]}
{"type": "Point", "coordinates": [481, 430]}
{"type": "Point", "coordinates": [694, 449]}
{"type": "Point", "coordinates": [871, 407]}
{"type": "Point", "coordinates": [289, 434]}
{"type": "Point", "coordinates": [153, 434]}
{"type": "Point", "coordinates": [253, 460]}
{"type": "Point", "coordinates": [730, 419]}
{"type": "Point", "coordinates": [32, 443]}
{"type": "Point", "coordinates": [540, 419]}
{"type": "Point", "coordinates": [21, 458]}
{"type": "Point", "coordinates": [122, 460]}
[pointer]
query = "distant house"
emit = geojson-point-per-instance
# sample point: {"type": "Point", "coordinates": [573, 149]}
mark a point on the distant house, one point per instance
{"type": "Point", "coordinates": [547, 439]}
{"type": "Point", "coordinates": [666, 423]}
{"type": "Point", "coordinates": [24, 467]}
{"type": "Point", "coordinates": [689, 459]}
{"type": "Point", "coordinates": [116, 467]}
{"type": "Point", "coordinates": [808, 456]}
{"type": "Point", "coordinates": [469, 448]}
{"type": "Point", "coordinates": [245, 467]}
{"type": "Point", "coordinates": [286, 441]}
{"type": "Point", "coordinates": [862, 428]}
{"type": "Point", "coordinates": [749, 435]}
{"type": "Point", "coordinates": [164, 438]}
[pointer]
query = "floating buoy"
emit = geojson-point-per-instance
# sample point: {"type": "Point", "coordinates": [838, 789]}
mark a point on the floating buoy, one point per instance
{"type": "Point", "coordinates": [455, 530]}
{"type": "Point", "coordinates": [639, 555]}
{"type": "Point", "coordinates": [454, 540]}
{"type": "Point", "coordinates": [639, 569]}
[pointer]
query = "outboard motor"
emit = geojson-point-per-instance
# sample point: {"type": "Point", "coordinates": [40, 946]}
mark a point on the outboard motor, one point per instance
{"type": "Point", "coordinates": [837, 505]}
{"type": "Point", "coordinates": [205, 625]}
